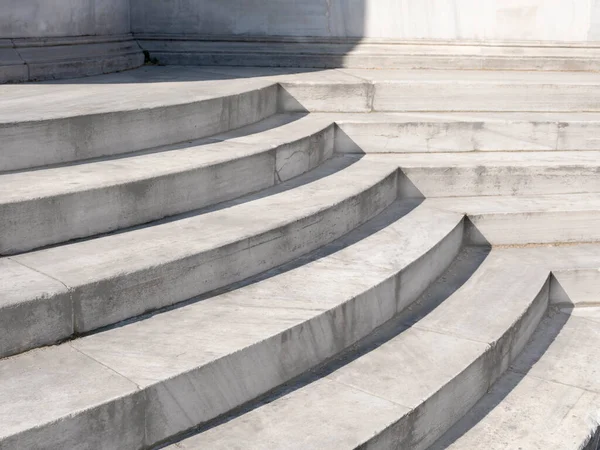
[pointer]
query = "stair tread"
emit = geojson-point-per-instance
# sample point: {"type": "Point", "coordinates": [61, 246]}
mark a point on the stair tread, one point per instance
{"type": "Point", "coordinates": [480, 76]}
{"type": "Point", "coordinates": [141, 187]}
{"type": "Point", "coordinates": [505, 204]}
{"type": "Point", "coordinates": [160, 348]}
{"type": "Point", "coordinates": [586, 159]}
{"type": "Point", "coordinates": [94, 174]}
{"type": "Point", "coordinates": [406, 371]}
{"type": "Point", "coordinates": [118, 276]}
{"type": "Point", "coordinates": [146, 87]}
{"type": "Point", "coordinates": [150, 87]}
{"type": "Point", "coordinates": [549, 399]}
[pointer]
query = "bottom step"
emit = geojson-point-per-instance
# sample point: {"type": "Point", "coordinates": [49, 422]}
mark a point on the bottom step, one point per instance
{"type": "Point", "coordinates": [404, 392]}
{"type": "Point", "coordinates": [550, 399]}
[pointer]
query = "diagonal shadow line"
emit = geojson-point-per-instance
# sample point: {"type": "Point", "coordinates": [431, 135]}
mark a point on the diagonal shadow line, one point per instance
{"type": "Point", "coordinates": [392, 213]}
{"type": "Point", "coordinates": [457, 274]}
{"type": "Point", "coordinates": [329, 167]}
{"type": "Point", "coordinates": [546, 333]}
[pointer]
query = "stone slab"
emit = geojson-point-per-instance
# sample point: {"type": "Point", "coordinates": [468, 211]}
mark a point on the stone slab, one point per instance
{"type": "Point", "coordinates": [50, 123]}
{"type": "Point", "coordinates": [550, 398]}
{"type": "Point", "coordinates": [499, 173]}
{"type": "Point", "coordinates": [177, 49]}
{"type": "Point", "coordinates": [523, 411]}
{"type": "Point", "coordinates": [544, 219]}
{"type": "Point", "coordinates": [578, 287]}
{"type": "Point", "coordinates": [463, 132]}
{"type": "Point", "coordinates": [170, 356]}
{"type": "Point", "coordinates": [53, 205]}
{"type": "Point", "coordinates": [34, 309]}
{"type": "Point", "coordinates": [434, 372]}
{"type": "Point", "coordinates": [120, 276]}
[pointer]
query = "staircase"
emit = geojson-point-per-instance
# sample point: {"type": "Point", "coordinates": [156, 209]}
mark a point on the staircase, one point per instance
{"type": "Point", "coordinates": [267, 258]}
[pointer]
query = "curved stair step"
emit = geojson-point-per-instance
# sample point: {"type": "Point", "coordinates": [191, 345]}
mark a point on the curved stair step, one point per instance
{"type": "Point", "coordinates": [473, 90]}
{"type": "Point", "coordinates": [464, 132]}
{"type": "Point", "coordinates": [146, 381]}
{"type": "Point", "coordinates": [550, 398]}
{"type": "Point", "coordinates": [407, 391]}
{"type": "Point", "coordinates": [543, 219]}
{"type": "Point", "coordinates": [499, 173]}
{"type": "Point", "coordinates": [82, 286]}
{"type": "Point", "coordinates": [53, 205]}
{"type": "Point", "coordinates": [58, 122]}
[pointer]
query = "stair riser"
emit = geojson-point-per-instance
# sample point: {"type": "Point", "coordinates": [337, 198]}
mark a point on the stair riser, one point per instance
{"type": "Point", "coordinates": [305, 346]}
{"type": "Point", "coordinates": [439, 96]}
{"type": "Point", "coordinates": [39, 143]}
{"type": "Point", "coordinates": [538, 227]}
{"type": "Point", "coordinates": [266, 365]}
{"type": "Point", "coordinates": [46, 319]}
{"type": "Point", "coordinates": [576, 287]}
{"type": "Point", "coordinates": [85, 213]}
{"type": "Point", "coordinates": [326, 97]}
{"type": "Point", "coordinates": [468, 96]}
{"type": "Point", "coordinates": [133, 294]}
{"type": "Point", "coordinates": [119, 424]}
{"type": "Point", "coordinates": [432, 418]}
{"type": "Point", "coordinates": [503, 180]}
{"type": "Point", "coordinates": [87, 307]}
{"type": "Point", "coordinates": [456, 136]}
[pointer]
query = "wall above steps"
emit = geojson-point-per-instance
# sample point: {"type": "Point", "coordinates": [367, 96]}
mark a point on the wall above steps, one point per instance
{"type": "Point", "coordinates": [482, 20]}
{"type": "Point", "coordinates": [40, 40]}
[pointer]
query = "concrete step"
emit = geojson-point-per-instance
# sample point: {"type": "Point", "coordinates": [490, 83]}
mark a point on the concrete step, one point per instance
{"type": "Point", "coordinates": [464, 132]}
{"type": "Point", "coordinates": [141, 383]}
{"type": "Point", "coordinates": [498, 173]}
{"type": "Point", "coordinates": [494, 91]}
{"type": "Point", "coordinates": [551, 396]}
{"type": "Point", "coordinates": [59, 122]}
{"type": "Point", "coordinates": [427, 368]}
{"type": "Point", "coordinates": [542, 219]}
{"type": "Point", "coordinates": [368, 53]}
{"type": "Point", "coordinates": [48, 295]}
{"type": "Point", "coordinates": [53, 205]}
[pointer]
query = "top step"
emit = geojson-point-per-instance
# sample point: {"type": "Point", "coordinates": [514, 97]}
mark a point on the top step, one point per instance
{"type": "Point", "coordinates": [60, 122]}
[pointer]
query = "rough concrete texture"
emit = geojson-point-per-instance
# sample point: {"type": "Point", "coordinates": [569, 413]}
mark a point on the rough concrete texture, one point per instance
{"type": "Point", "coordinates": [248, 330]}
{"type": "Point", "coordinates": [559, 370]}
{"type": "Point", "coordinates": [118, 193]}
{"type": "Point", "coordinates": [285, 271]}
{"type": "Point", "coordinates": [368, 53]}
{"type": "Point", "coordinates": [480, 20]}
{"type": "Point", "coordinates": [439, 358]}
{"type": "Point", "coordinates": [206, 251]}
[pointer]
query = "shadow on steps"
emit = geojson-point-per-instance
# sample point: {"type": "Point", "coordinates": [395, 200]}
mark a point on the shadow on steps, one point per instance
{"type": "Point", "coordinates": [545, 334]}
{"type": "Point", "coordinates": [457, 274]}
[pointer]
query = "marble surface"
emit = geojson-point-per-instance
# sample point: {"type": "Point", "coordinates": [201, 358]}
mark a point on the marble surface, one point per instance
{"type": "Point", "coordinates": [546, 20]}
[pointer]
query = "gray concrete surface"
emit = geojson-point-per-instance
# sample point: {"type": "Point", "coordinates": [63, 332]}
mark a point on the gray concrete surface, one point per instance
{"type": "Point", "coordinates": [39, 208]}
{"type": "Point", "coordinates": [89, 119]}
{"type": "Point", "coordinates": [50, 123]}
{"type": "Point", "coordinates": [446, 356]}
{"type": "Point", "coordinates": [109, 282]}
{"type": "Point", "coordinates": [549, 399]}
{"type": "Point", "coordinates": [478, 20]}
{"type": "Point", "coordinates": [498, 173]}
{"type": "Point", "coordinates": [464, 132]}
{"type": "Point", "coordinates": [367, 53]}
{"type": "Point", "coordinates": [34, 18]}
{"type": "Point", "coordinates": [344, 249]}
{"type": "Point", "coordinates": [543, 219]}
{"type": "Point", "coordinates": [170, 356]}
